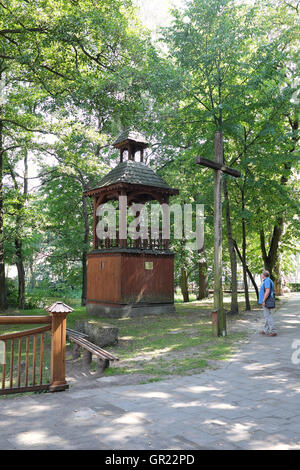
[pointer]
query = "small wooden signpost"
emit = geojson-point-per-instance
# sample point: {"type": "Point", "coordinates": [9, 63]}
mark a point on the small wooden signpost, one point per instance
{"type": "Point", "coordinates": [219, 168]}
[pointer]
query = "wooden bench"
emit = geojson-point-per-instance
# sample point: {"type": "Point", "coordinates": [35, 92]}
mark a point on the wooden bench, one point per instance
{"type": "Point", "coordinates": [75, 333]}
{"type": "Point", "coordinates": [89, 349]}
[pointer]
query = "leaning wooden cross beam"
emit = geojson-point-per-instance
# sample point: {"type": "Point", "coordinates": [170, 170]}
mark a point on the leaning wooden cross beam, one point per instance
{"type": "Point", "coordinates": [219, 168]}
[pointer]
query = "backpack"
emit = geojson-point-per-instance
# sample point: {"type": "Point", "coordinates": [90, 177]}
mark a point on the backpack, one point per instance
{"type": "Point", "coordinates": [270, 301]}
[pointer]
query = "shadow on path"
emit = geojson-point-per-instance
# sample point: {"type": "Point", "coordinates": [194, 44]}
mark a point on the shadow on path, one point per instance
{"type": "Point", "coordinates": [252, 402]}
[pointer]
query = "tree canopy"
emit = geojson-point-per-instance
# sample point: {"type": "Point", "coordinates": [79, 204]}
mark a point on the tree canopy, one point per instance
{"type": "Point", "coordinates": [74, 74]}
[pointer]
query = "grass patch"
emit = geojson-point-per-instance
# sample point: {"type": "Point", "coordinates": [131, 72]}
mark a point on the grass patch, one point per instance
{"type": "Point", "coordinates": [223, 349]}
{"type": "Point", "coordinates": [158, 346]}
{"type": "Point", "coordinates": [182, 366]}
{"type": "Point", "coordinates": [161, 367]}
{"type": "Point", "coordinates": [152, 380]}
{"type": "Point", "coordinates": [118, 371]}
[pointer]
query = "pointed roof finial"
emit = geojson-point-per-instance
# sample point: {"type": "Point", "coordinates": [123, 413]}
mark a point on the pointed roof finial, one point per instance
{"type": "Point", "coordinates": [59, 307]}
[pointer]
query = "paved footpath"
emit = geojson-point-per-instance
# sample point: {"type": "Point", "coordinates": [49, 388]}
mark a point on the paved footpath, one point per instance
{"type": "Point", "coordinates": [252, 402]}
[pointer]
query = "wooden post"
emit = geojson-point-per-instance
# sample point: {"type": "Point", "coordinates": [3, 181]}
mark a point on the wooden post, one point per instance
{"type": "Point", "coordinates": [214, 321]}
{"type": "Point", "coordinates": [58, 312]}
{"type": "Point", "coordinates": [218, 293]}
{"type": "Point", "coordinates": [58, 352]}
{"type": "Point", "coordinates": [123, 221]}
{"type": "Point", "coordinates": [76, 351]}
{"type": "Point", "coordinates": [87, 359]}
{"type": "Point", "coordinates": [219, 168]}
{"type": "Point", "coordinates": [130, 152]}
{"type": "Point", "coordinates": [102, 364]}
{"type": "Point", "coordinates": [95, 238]}
{"type": "Point", "coordinates": [166, 223]}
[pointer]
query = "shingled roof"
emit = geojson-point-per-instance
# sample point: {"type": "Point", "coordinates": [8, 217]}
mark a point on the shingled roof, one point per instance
{"type": "Point", "coordinates": [133, 172]}
{"type": "Point", "coordinates": [129, 134]}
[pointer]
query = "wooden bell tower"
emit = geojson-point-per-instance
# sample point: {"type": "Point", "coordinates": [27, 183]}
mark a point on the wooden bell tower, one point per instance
{"type": "Point", "coordinates": [129, 277]}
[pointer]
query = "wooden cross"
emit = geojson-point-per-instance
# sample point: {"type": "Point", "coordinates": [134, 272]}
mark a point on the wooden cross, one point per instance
{"type": "Point", "coordinates": [219, 169]}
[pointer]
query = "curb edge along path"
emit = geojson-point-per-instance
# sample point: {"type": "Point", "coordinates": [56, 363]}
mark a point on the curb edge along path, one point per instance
{"type": "Point", "coordinates": [252, 402]}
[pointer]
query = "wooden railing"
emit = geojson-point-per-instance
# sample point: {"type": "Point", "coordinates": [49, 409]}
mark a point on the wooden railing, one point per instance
{"type": "Point", "coordinates": [31, 361]}
{"type": "Point", "coordinates": [157, 244]}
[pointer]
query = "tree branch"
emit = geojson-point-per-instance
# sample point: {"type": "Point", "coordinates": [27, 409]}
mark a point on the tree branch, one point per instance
{"type": "Point", "coordinates": [6, 57]}
{"type": "Point", "coordinates": [26, 128]}
{"type": "Point", "coordinates": [55, 72]}
{"type": "Point", "coordinates": [294, 7]}
{"type": "Point", "coordinates": [20, 31]}
{"type": "Point", "coordinates": [10, 148]}
{"type": "Point", "coordinates": [94, 59]}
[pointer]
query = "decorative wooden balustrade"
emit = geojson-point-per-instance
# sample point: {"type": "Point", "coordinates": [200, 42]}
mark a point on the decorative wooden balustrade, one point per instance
{"type": "Point", "coordinates": [156, 244]}
{"type": "Point", "coordinates": [34, 359]}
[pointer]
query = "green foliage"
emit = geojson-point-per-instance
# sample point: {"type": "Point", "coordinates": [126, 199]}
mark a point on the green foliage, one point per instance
{"type": "Point", "coordinates": [294, 286]}
{"type": "Point", "coordinates": [233, 65]}
{"type": "Point", "coordinates": [73, 74]}
{"type": "Point", "coordinates": [12, 292]}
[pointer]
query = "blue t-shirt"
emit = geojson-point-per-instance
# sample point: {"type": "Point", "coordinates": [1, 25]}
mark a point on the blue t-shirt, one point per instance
{"type": "Point", "coordinates": [267, 284]}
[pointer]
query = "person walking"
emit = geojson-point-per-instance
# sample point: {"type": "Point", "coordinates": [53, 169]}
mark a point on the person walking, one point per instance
{"type": "Point", "coordinates": [267, 290]}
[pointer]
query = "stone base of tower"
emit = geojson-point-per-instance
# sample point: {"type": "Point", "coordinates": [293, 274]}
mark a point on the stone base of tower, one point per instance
{"type": "Point", "coordinates": [130, 282]}
{"type": "Point", "coordinates": [124, 311]}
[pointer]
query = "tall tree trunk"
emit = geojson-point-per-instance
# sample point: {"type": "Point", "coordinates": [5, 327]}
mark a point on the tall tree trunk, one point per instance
{"type": "Point", "coordinates": [21, 273]}
{"type": "Point", "coordinates": [184, 285]}
{"type": "Point", "coordinates": [203, 276]}
{"type": "Point", "coordinates": [3, 304]}
{"type": "Point", "coordinates": [270, 257]}
{"type": "Point", "coordinates": [18, 237]}
{"type": "Point", "coordinates": [85, 251]}
{"type": "Point", "coordinates": [278, 278]}
{"type": "Point", "coordinates": [32, 274]}
{"type": "Point", "coordinates": [247, 300]}
{"type": "Point", "coordinates": [278, 284]}
{"type": "Point", "coordinates": [247, 269]}
{"type": "Point", "coordinates": [233, 262]}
